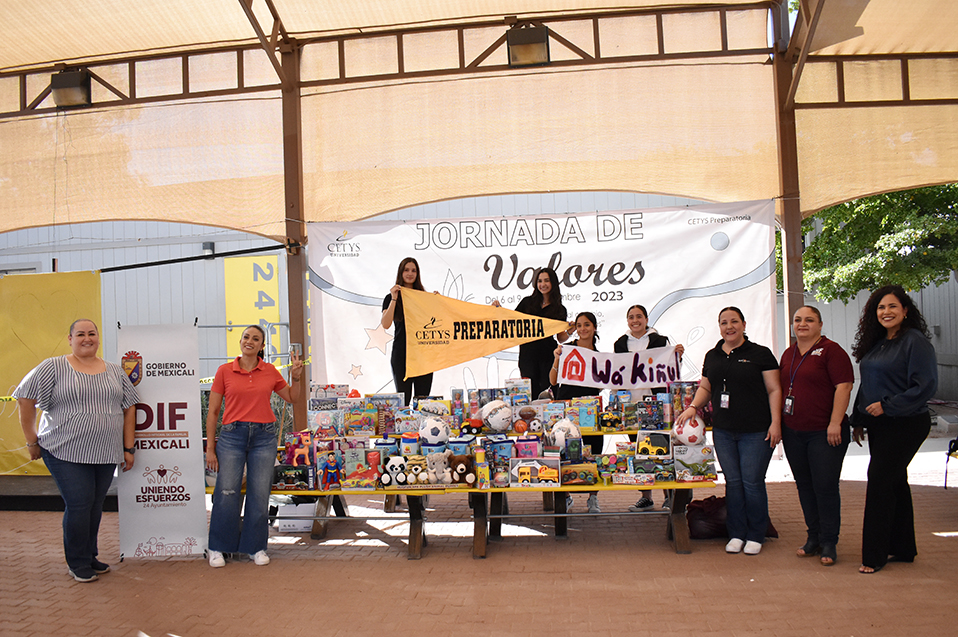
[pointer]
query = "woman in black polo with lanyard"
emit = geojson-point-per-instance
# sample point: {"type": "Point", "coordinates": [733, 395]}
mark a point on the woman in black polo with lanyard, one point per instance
{"type": "Point", "coordinates": [406, 277]}
{"type": "Point", "coordinates": [742, 380]}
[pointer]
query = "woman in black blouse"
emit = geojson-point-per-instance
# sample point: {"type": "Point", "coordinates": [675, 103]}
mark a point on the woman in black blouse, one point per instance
{"type": "Point", "coordinates": [406, 277]}
{"type": "Point", "coordinates": [535, 358]}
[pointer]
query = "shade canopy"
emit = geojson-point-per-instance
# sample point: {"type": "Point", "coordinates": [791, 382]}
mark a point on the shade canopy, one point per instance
{"type": "Point", "coordinates": [404, 103]}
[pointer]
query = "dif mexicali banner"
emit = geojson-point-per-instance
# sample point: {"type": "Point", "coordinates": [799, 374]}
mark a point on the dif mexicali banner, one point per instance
{"type": "Point", "coordinates": [682, 264]}
{"type": "Point", "coordinates": [163, 497]}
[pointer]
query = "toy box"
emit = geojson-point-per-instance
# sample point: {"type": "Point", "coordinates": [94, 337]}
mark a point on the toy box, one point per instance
{"type": "Point", "coordinates": [528, 447]}
{"type": "Point", "coordinates": [694, 463]}
{"type": "Point", "coordinates": [361, 468]}
{"type": "Point", "coordinates": [589, 408]}
{"type": "Point", "coordinates": [636, 479]}
{"type": "Point", "coordinates": [529, 472]}
{"type": "Point", "coordinates": [362, 421]}
{"type": "Point", "coordinates": [629, 416]}
{"type": "Point", "coordinates": [649, 415]}
{"type": "Point", "coordinates": [322, 404]}
{"type": "Point", "coordinates": [653, 443]}
{"type": "Point", "coordinates": [552, 413]}
{"type": "Point", "coordinates": [289, 478]}
{"type": "Point", "coordinates": [329, 471]}
{"type": "Point", "coordinates": [406, 420]}
{"type": "Point", "coordinates": [681, 393]}
{"type": "Point", "coordinates": [299, 448]}
{"type": "Point", "coordinates": [584, 473]}
{"type": "Point", "coordinates": [521, 389]}
{"type": "Point", "coordinates": [329, 391]}
{"type": "Point", "coordinates": [660, 468]}
{"type": "Point", "coordinates": [527, 419]}
{"type": "Point", "coordinates": [327, 423]}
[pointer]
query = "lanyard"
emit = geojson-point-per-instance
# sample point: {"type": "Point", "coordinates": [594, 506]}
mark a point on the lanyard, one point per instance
{"type": "Point", "coordinates": [792, 370]}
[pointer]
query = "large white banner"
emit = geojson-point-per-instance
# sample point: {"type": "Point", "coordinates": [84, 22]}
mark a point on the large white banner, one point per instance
{"type": "Point", "coordinates": [163, 498]}
{"type": "Point", "coordinates": [682, 264]}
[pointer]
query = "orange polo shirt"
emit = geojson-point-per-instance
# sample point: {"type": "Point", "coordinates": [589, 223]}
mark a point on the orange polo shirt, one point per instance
{"type": "Point", "coordinates": [246, 395]}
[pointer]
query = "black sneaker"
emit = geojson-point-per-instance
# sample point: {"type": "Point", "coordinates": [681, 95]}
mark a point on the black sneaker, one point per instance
{"type": "Point", "coordinates": [84, 575]}
{"type": "Point", "coordinates": [99, 567]}
{"type": "Point", "coordinates": [643, 504]}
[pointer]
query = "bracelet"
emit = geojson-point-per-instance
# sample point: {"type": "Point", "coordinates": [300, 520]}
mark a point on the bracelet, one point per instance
{"type": "Point", "coordinates": [33, 444]}
{"type": "Point", "coordinates": [555, 368]}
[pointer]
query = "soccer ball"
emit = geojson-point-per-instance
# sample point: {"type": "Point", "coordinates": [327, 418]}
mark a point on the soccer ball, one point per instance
{"type": "Point", "coordinates": [497, 415]}
{"type": "Point", "coordinates": [434, 431]}
{"type": "Point", "coordinates": [691, 433]}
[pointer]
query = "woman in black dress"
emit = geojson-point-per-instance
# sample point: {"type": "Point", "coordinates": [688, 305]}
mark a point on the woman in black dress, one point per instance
{"type": "Point", "coordinates": [406, 277]}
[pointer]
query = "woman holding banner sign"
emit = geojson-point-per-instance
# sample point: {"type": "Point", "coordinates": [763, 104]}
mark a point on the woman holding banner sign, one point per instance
{"type": "Point", "coordinates": [587, 336]}
{"type": "Point", "coordinates": [642, 337]}
{"type": "Point", "coordinates": [741, 378]}
{"type": "Point", "coordinates": [247, 439]}
{"type": "Point", "coordinates": [87, 428]}
{"type": "Point", "coordinates": [535, 358]}
{"type": "Point", "coordinates": [406, 277]}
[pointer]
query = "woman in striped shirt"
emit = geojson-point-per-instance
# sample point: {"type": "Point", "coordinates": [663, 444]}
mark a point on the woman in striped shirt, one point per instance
{"type": "Point", "coordinates": [87, 427]}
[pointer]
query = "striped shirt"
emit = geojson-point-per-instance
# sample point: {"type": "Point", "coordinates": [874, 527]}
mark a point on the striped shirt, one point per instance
{"type": "Point", "coordinates": [82, 419]}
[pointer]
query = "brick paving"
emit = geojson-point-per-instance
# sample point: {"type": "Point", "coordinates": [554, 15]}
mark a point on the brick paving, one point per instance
{"type": "Point", "coordinates": [612, 575]}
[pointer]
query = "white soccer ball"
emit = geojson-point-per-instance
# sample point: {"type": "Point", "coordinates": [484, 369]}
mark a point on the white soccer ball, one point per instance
{"type": "Point", "coordinates": [434, 431]}
{"type": "Point", "coordinates": [497, 415]}
{"type": "Point", "coordinates": [691, 434]}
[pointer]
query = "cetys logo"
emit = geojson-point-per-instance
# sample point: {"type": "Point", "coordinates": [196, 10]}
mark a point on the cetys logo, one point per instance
{"type": "Point", "coordinates": [433, 333]}
{"type": "Point", "coordinates": [132, 364]}
{"type": "Point", "coordinates": [343, 246]}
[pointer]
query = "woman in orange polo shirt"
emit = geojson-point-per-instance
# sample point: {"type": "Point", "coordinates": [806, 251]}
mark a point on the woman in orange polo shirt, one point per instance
{"type": "Point", "coordinates": [248, 438]}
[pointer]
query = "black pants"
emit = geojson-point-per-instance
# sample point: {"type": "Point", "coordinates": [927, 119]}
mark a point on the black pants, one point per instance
{"type": "Point", "coordinates": [817, 467]}
{"type": "Point", "coordinates": [414, 386]}
{"type": "Point", "coordinates": [889, 526]}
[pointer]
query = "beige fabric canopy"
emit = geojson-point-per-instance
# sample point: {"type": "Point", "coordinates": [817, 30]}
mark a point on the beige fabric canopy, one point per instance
{"type": "Point", "coordinates": [410, 102]}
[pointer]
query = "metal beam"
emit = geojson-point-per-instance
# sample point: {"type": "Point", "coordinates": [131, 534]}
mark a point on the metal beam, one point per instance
{"type": "Point", "coordinates": [801, 45]}
{"type": "Point", "coordinates": [269, 44]}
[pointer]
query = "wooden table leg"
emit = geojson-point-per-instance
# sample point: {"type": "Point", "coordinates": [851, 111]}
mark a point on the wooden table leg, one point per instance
{"type": "Point", "coordinates": [340, 506]}
{"type": "Point", "coordinates": [548, 501]}
{"type": "Point", "coordinates": [479, 524]}
{"type": "Point", "coordinates": [318, 532]}
{"type": "Point", "coordinates": [561, 523]}
{"type": "Point", "coordinates": [495, 508]}
{"type": "Point", "coordinates": [416, 530]}
{"type": "Point", "coordinates": [677, 528]}
{"type": "Point", "coordinates": [389, 503]}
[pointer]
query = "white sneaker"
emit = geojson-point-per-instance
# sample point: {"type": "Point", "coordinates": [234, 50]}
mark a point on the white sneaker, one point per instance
{"type": "Point", "coordinates": [735, 545]}
{"type": "Point", "coordinates": [568, 503]}
{"type": "Point", "coordinates": [260, 558]}
{"type": "Point", "coordinates": [753, 548]}
{"type": "Point", "coordinates": [216, 559]}
{"type": "Point", "coordinates": [593, 504]}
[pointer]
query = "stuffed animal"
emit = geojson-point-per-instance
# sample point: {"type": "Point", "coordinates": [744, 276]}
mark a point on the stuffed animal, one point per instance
{"type": "Point", "coordinates": [562, 430]}
{"type": "Point", "coordinates": [463, 471]}
{"type": "Point", "coordinates": [497, 415]}
{"type": "Point", "coordinates": [434, 431]}
{"type": "Point", "coordinates": [417, 470]}
{"type": "Point", "coordinates": [439, 470]}
{"type": "Point", "coordinates": [394, 472]}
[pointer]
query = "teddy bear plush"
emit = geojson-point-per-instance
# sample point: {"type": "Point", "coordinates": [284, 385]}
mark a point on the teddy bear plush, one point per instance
{"type": "Point", "coordinates": [394, 472]}
{"type": "Point", "coordinates": [439, 470]}
{"type": "Point", "coordinates": [463, 471]}
{"type": "Point", "coordinates": [417, 470]}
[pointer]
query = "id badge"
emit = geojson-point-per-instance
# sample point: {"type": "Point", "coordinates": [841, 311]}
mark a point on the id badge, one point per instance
{"type": "Point", "coordinates": [788, 406]}
{"type": "Point", "coordinates": [723, 400]}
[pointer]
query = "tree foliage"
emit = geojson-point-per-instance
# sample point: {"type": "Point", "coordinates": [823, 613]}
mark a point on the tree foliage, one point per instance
{"type": "Point", "coordinates": [909, 238]}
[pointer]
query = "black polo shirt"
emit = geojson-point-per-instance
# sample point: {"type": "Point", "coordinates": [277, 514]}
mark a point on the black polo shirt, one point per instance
{"type": "Point", "coordinates": [739, 374]}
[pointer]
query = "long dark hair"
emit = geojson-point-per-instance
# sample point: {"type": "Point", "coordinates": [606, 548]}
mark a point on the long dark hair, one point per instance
{"type": "Point", "coordinates": [871, 332]}
{"type": "Point", "coordinates": [417, 284]}
{"type": "Point", "coordinates": [555, 296]}
{"type": "Point", "coordinates": [595, 324]}
{"type": "Point", "coordinates": [262, 332]}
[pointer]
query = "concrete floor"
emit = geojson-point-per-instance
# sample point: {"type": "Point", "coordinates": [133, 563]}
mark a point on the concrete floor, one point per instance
{"type": "Point", "coordinates": [615, 575]}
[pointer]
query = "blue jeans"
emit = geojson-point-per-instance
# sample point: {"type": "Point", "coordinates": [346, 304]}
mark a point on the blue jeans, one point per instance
{"type": "Point", "coordinates": [83, 488]}
{"type": "Point", "coordinates": [744, 458]}
{"type": "Point", "coordinates": [252, 445]}
{"type": "Point", "coordinates": [817, 467]}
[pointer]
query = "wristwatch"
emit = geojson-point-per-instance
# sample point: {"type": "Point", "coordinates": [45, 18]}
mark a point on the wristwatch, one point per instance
{"type": "Point", "coordinates": [129, 450]}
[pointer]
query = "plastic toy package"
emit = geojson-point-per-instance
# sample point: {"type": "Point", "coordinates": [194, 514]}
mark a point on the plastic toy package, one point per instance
{"type": "Point", "coordinates": [586, 473]}
{"type": "Point", "coordinates": [694, 463]}
{"type": "Point", "coordinates": [530, 472]}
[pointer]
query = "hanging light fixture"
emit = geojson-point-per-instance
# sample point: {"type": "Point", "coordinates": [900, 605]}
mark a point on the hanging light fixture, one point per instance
{"type": "Point", "coordinates": [528, 45]}
{"type": "Point", "coordinates": [71, 88]}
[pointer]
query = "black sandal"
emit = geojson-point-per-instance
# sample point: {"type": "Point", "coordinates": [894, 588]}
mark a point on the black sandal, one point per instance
{"type": "Point", "coordinates": [810, 549]}
{"type": "Point", "coordinates": [829, 553]}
